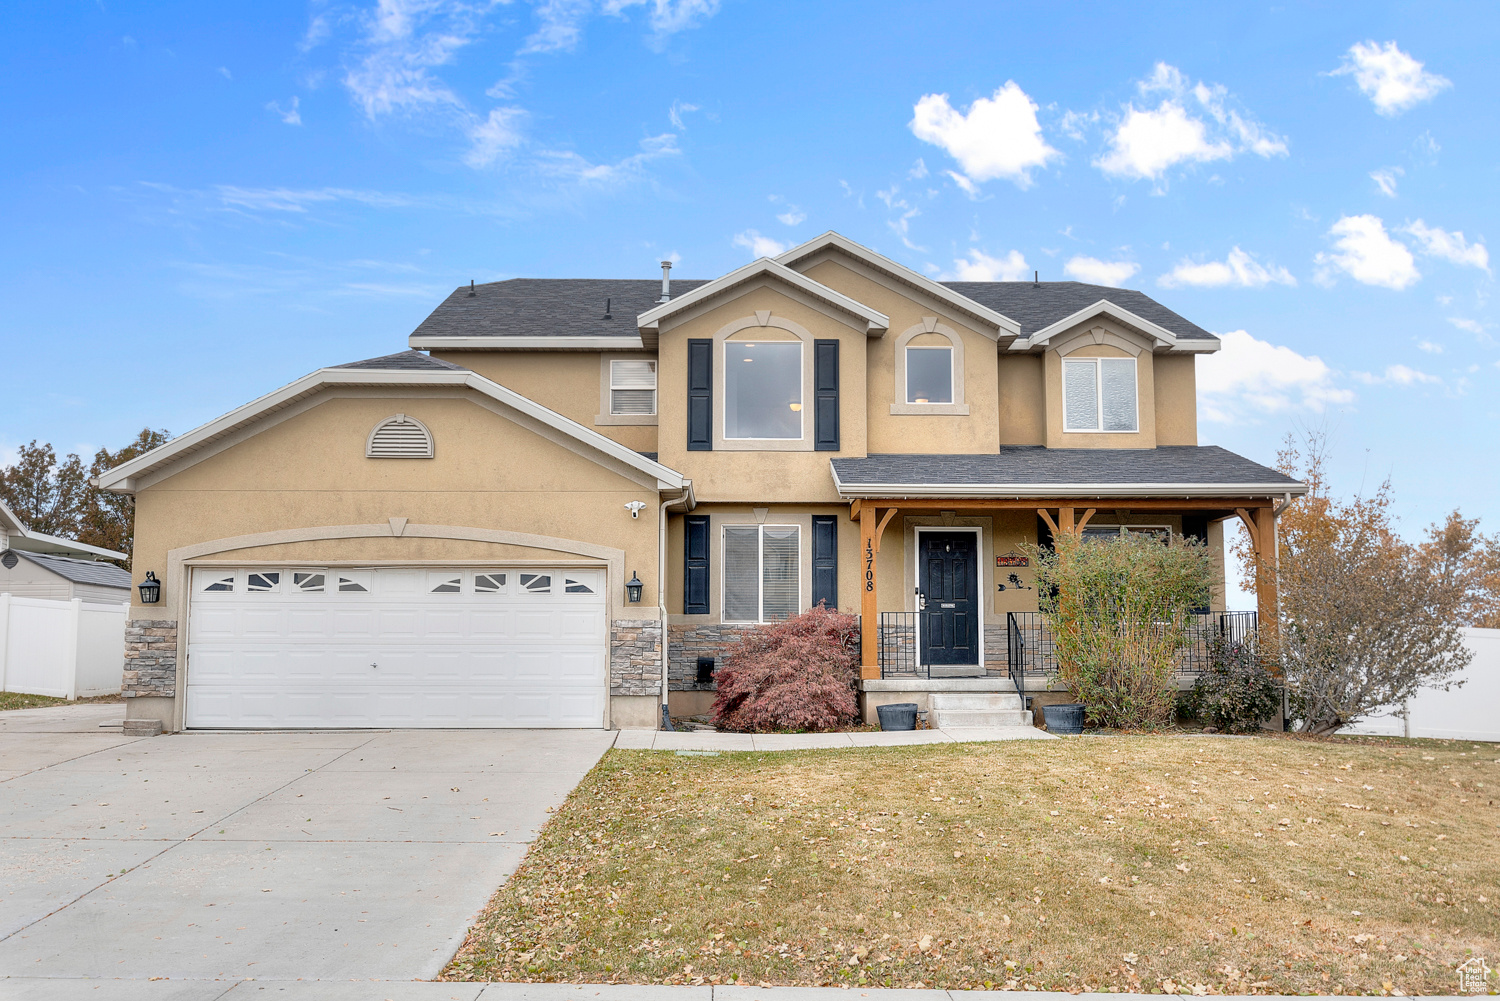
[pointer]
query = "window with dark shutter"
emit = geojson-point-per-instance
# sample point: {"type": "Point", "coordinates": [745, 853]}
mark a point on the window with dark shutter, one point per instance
{"type": "Point", "coordinates": [695, 552]}
{"type": "Point", "coordinates": [826, 396]}
{"type": "Point", "coordinates": [825, 561]}
{"type": "Point", "coordinates": [700, 408]}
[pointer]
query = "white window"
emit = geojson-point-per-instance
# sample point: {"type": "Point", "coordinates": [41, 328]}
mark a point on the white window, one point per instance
{"type": "Point", "coordinates": [444, 583]}
{"type": "Point", "coordinates": [489, 583]}
{"type": "Point", "coordinates": [308, 582]}
{"type": "Point", "coordinates": [763, 389]}
{"type": "Point", "coordinates": [632, 387]}
{"type": "Point", "coordinates": [536, 583]}
{"type": "Point", "coordinates": [929, 375]}
{"type": "Point", "coordinates": [761, 572]}
{"type": "Point", "coordinates": [263, 581]}
{"type": "Point", "coordinates": [1099, 394]}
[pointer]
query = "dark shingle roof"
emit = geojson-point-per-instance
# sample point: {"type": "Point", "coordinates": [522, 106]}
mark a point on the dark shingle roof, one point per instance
{"type": "Point", "coordinates": [547, 307]}
{"type": "Point", "coordinates": [80, 571]}
{"type": "Point", "coordinates": [574, 307]}
{"type": "Point", "coordinates": [1038, 306]}
{"type": "Point", "coordinates": [406, 361]}
{"type": "Point", "coordinates": [1033, 464]}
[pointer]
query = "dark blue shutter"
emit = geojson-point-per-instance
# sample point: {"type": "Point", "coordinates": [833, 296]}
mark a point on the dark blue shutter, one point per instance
{"type": "Point", "coordinates": [825, 561]}
{"type": "Point", "coordinates": [700, 408]}
{"type": "Point", "coordinates": [826, 396]}
{"type": "Point", "coordinates": [695, 549]}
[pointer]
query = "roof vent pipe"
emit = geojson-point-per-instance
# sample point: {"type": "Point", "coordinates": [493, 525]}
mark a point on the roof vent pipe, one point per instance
{"type": "Point", "coordinates": [1036, 279]}
{"type": "Point", "coordinates": [666, 281]}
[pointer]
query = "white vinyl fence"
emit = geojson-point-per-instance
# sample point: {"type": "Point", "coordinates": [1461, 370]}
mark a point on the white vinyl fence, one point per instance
{"type": "Point", "coordinates": [66, 649]}
{"type": "Point", "coordinates": [1469, 712]}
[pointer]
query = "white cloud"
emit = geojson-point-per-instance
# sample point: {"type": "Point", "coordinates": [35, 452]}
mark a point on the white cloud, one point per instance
{"type": "Point", "coordinates": [1385, 179]}
{"type": "Point", "coordinates": [294, 200]}
{"type": "Point", "coordinates": [1097, 272]}
{"type": "Point", "coordinates": [560, 25]}
{"type": "Point", "coordinates": [1396, 375]}
{"type": "Point", "coordinates": [404, 40]}
{"type": "Point", "coordinates": [1452, 246]}
{"type": "Point", "coordinates": [1240, 269]}
{"type": "Point", "coordinates": [1431, 347]}
{"type": "Point", "coordinates": [1366, 253]}
{"type": "Point", "coordinates": [570, 164]}
{"type": "Point", "coordinates": [224, 72]}
{"type": "Point", "coordinates": [1249, 377]}
{"type": "Point", "coordinates": [760, 246]}
{"type": "Point", "coordinates": [977, 266]}
{"type": "Point", "coordinates": [1468, 326]}
{"type": "Point", "coordinates": [493, 136]}
{"type": "Point", "coordinates": [791, 217]}
{"type": "Point", "coordinates": [998, 137]}
{"type": "Point", "coordinates": [918, 170]}
{"type": "Point", "coordinates": [1073, 123]}
{"type": "Point", "coordinates": [290, 115]}
{"type": "Point", "coordinates": [1191, 124]}
{"type": "Point", "coordinates": [677, 110]}
{"type": "Point", "coordinates": [1390, 78]}
{"type": "Point", "coordinates": [668, 17]}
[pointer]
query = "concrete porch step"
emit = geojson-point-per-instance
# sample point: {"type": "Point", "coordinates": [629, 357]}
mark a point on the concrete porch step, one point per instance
{"type": "Point", "coordinates": [975, 700]}
{"type": "Point", "coordinates": [945, 718]}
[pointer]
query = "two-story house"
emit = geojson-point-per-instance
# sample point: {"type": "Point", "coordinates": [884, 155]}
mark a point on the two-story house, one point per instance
{"type": "Point", "coordinates": [571, 496]}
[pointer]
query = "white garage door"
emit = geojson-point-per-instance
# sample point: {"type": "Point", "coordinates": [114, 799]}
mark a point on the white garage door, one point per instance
{"type": "Point", "coordinates": [301, 647]}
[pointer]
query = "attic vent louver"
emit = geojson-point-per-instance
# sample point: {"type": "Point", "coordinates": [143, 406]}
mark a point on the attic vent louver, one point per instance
{"type": "Point", "coordinates": [400, 437]}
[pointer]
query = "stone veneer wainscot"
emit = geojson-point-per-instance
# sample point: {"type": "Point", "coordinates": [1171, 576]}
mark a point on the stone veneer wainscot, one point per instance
{"type": "Point", "coordinates": [150, 658]}
{"type": "Point", "coordinates": [635, 657]}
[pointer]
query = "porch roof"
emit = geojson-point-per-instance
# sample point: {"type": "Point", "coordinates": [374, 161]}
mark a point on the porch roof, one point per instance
{"type": "Point", "coordinates": [1034, 471]}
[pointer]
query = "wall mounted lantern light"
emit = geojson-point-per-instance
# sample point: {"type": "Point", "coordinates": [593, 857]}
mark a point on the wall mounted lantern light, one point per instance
{"type": "Point", "coordinates": [150, 589]}
{"type": "Point", "coordinates": [633, 588]}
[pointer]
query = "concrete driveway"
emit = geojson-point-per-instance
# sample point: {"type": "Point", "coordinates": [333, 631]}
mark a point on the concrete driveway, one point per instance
{"type": "Point", "coordinates": [278, 856]}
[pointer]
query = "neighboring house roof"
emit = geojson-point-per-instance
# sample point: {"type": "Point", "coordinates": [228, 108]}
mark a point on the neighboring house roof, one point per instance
{"type": "Point", "coordinates": [1032, 470]}
{"type": "Point", "coordinates": [81, 571]}
{"type": "Point", "coordinates": [1036, 306]}
{"type": "Point", "coordinates": [392, 370]}
{"type": "Point", "coordinates": [15, 535]}
{"type": "Point", "coordinates": [544, 312]}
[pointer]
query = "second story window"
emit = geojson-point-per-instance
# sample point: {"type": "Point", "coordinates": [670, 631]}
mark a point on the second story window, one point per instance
{"type": "Point", "coordinates": [929, 375]}
{"type": "Point", "coordinates": [632, 387]}
{"type": "Point", "coordinates": [1099, 394]}
{"type": "Point", "coordinates": [763, 389]}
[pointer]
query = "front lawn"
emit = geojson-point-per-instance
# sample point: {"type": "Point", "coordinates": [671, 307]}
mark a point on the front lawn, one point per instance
{"type": "Point", "coordinates": [1269, 865]}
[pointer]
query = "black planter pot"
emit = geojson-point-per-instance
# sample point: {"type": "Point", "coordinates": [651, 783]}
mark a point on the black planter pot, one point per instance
{"type": "Point", "coordinates": [898, 716]}
{"type": "Point", "coordinates": [1066, 718]}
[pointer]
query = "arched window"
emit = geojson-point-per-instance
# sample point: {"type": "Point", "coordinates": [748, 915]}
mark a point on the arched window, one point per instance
{"type": "Point", "coordinates": [400, 437]}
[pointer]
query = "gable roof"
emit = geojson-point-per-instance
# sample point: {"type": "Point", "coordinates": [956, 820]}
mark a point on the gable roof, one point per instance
{"type": "Point", "coordinates": [1003, 324]}
{"type": "Point", "coordinates": [391, 370]}
{"type": "Point", "coordinates": [1040, 306]}
{"type": "Point", "coordinates": [1033, 470]}
{"type": "Point", "coordinates": [875, 321]}
{"type": "Point", "coordinates": [558, 313]}
{"type": "Point", "coordinates": [17, 536]}
{"type": "Point", "coordinates": [81, 571]}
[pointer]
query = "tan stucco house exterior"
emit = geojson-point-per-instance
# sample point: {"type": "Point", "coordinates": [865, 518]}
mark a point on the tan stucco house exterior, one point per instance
{"type": "Point", "coordinates": [570, 497]}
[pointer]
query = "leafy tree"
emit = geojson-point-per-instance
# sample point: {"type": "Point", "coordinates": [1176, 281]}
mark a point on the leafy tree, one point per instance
{"type": "Point", "coordinates": [44, 494]}
{"type": "Point", "coordinates": [1366, 620]}
{"type": "Point", "coordinates": [58, 498]}
{"type": "Point", "coordinates": [1467, 566]}
{"type": "Point", "coordinates": [108, 519]}
{"type": "Point", "coordinates": [1120, 612]}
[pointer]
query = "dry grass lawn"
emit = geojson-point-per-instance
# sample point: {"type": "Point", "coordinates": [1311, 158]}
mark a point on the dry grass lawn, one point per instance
{"type": "Point", "coordinates": [1186, 864]}
{"type": "Point", "coordinates": [20, 700]}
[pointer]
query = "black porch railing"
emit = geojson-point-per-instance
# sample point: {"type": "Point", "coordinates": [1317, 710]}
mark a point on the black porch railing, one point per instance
{"type": "Point", "coordinates": [1032, 654]}
{"type": "Point", "coordinates": [899, 655]}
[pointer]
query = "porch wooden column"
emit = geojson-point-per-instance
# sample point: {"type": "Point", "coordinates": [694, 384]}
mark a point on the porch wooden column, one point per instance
{"type": "Point", "coordinates": [1065, 520]}
{"type": "Point", "coordinates": [869, 625]}
{"type": "Point", "coordinates": [1266, 604]}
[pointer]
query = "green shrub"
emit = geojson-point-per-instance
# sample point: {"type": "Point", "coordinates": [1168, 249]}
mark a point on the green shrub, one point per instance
{"type": "Point", "coordinates": [1119, 611]}
{"type": "Point", "coordinates": [1238, 691]}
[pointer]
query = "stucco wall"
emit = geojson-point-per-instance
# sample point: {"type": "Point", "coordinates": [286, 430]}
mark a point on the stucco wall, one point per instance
{"type": "Point", "coordinates": [1176, 399]}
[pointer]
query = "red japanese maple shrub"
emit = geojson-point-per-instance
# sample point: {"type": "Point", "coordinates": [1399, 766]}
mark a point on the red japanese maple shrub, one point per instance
{"type": "Point", "coordinates": [794, 675]}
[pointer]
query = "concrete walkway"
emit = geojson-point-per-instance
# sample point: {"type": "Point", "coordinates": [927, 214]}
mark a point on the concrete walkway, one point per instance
{"type": "Point", "coordinates": [222, 856]}
{"type": "Point", "coordinates": [705, 740]}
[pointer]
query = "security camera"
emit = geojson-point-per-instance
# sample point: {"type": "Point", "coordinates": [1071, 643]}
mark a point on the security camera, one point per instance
{"type": "Point", "coordinates": [635, 508]}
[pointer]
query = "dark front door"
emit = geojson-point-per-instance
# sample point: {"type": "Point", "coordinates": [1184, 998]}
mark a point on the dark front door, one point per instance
{"type": "Point", "coordinates": [948, 578]}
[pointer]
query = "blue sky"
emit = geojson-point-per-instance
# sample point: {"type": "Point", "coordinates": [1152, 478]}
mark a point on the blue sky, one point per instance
{"type": "Point", "coordinates": [205, 201]}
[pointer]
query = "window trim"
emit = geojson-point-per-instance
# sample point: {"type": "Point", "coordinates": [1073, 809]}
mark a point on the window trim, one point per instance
{"type": "Point", "coordinates": [760, 573]}
{"type": "Point", "coordinates": [929, 325]}
{"type": "Point", "coordinates": [604, 418]}
{"type": "Point", "coordinates": [1094, 361]}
